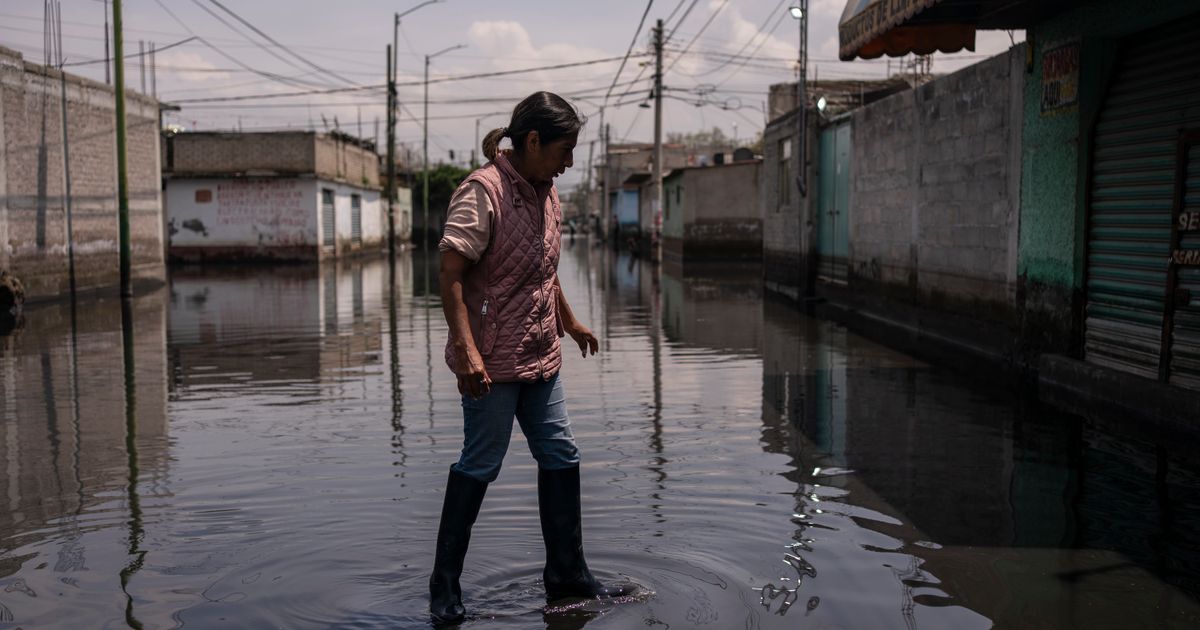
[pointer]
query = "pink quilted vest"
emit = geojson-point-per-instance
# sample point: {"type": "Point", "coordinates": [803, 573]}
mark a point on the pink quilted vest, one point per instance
{"type": "Point", "coordinates": [511, 299]}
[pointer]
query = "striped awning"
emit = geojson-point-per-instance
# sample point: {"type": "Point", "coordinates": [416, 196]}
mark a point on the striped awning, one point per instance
{"type": "Point", "coordinates": [873, 28]}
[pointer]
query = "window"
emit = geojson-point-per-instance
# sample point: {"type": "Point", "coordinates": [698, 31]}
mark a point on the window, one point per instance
{"type": "Point", "coordinates": [783, 180]}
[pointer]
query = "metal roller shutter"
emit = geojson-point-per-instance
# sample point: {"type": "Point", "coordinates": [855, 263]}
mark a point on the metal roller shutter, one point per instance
{"type": "Point", "coordinates": [328, 218]}
{"type": "Point", "coordinates": [1155, 95]}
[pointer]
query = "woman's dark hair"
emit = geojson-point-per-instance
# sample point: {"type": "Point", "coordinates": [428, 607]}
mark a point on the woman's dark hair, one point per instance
{"type": "Point", "coordinates": [544, 112]}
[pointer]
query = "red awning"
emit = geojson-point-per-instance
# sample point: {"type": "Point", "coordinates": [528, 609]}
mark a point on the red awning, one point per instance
{"type": "Point", "coordinates": [873, 28]}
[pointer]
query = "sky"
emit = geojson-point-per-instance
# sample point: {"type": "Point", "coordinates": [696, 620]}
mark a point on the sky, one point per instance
{"type": "Point", "coordinates": [316, 45]}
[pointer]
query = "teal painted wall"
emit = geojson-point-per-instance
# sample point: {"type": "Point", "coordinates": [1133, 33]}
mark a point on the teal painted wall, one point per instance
{"type": "Point", "coordinates": [1055, 147]}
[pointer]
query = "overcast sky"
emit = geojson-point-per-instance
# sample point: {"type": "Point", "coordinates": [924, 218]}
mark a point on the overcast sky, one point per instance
{"type": "Point", "coordinates": [342, 44]}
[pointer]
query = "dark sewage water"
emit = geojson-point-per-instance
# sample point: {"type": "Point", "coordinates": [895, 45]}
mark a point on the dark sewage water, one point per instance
{"type": "Point", "coordinates": [267, 448]}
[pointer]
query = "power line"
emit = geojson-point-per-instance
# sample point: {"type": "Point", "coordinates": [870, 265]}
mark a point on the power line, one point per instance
{"type": "Point", "coordinates": [273, 41]}
{"type": "Point", "coordinates": [269, 75]}
{"type": "Point", "coordinates": [463, 77]}
{"type": "Point", "coordinates": [766, 35]}
{"type": "Point", "coordinates": [712, 17]}
{"type": "Point", "coordinates": [131, 55]}
{"type": "Point", "coordinates": [629, 50]}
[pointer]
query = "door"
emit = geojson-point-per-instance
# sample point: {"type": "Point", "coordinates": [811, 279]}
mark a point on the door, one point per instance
{"type": "Point", "coordinates": [1139, 315]}
{"type": "Point", "coordinates": [328, 224]}
{"type": "Point", "coordinates": [833, 203]}
{"type": "Point", "coordinates": [356, 220]}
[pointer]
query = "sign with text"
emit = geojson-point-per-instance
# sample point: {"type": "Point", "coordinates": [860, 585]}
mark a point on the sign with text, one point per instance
{"type": "Point", "coordinates": [1060, 78]}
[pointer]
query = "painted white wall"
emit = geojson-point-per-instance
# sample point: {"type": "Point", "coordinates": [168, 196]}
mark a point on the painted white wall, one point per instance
{"type": "Point", "coordinates": [242, 212]}
{"type": "Point", "coordinates": [265, 212]}
{"type": "Point", "coordinates": [373, 213]}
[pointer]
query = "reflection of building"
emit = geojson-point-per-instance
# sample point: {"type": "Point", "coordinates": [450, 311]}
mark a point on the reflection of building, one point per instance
{"type": "Point", "coordinates": [312, 319]}
{"type": "Point", "coordinates": [722, 312]}
{"type": "Point", "coordinates": [281, 195]}
{"type": "Point", "coordinates": [713, 212]}
{"type": "Point", "coordinates": [69, 411]}
{"type": "Point", "coordinates": [1035, 516]}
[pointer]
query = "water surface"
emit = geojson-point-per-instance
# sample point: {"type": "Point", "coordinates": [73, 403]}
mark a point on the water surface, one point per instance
{"type": "Point", "coordinates": [268, 448]}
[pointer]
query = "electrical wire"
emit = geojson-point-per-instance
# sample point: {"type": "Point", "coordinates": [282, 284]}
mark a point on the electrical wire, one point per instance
{"type": "Point", "coordinates": [629, 50]}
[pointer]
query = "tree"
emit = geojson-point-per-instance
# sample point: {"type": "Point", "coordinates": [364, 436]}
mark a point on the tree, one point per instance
{"type": "Point", "coordinates": [700, 140]}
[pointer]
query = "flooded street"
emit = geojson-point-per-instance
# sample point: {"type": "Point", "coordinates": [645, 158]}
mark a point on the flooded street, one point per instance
{"type": "Point", "coordinates": [270, 446]}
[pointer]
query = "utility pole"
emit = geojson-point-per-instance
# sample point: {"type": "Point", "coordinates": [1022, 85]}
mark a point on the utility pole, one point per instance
{"type": "Point", "coordinates": [142, 62]}
{"type": "Point", "coordinates": [607, 205]}
{"type": "Point", "coordinates": [656, 232]}
{"type": "Point", "coordinates": [107, 57]}
{"type": "Point", "coordinates": [153, 74]}
{"type": "Point", "coordinates": [390, 187]}
{"type": "Point", "coordinates": [588, 187]}
{"type": "Point", "coordinates": [425, 149]}
{"type": "Point", "coordinates": [801, 14]}
{"type": "Point", "coordinates": [122, 176]}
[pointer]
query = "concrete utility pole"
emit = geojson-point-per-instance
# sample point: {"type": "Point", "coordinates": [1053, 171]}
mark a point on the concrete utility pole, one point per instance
{"type": "Point", "coordinates": [587, 204]}
{"type": "Point", "coordinates": [607, 205]}
{"type": "Point", "coordinates": [658, 148]}
{"type": "Point", "coordinates": [122, 176]}
{"type": "Point", "coordinates": [801, 14]}
{"type": "Point", "coordinates": [390, 187]}
{"type": "Point", "coordinates": [393, 114]}
{"type": "Point", "coordinates": [107, 57]}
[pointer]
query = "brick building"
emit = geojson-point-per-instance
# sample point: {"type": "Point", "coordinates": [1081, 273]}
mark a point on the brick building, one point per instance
{"type": "Point", "coordinates": [298, 195]}
{"type": "Point", "coordinates": [58, 191]}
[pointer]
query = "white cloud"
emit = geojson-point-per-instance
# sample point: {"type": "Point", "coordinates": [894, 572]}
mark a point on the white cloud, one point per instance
{"type": "Point", "coordinates": [190, 67]}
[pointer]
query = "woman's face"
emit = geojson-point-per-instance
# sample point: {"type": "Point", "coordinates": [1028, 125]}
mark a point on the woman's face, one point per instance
{"type": "Point", "coordinates": [551, 159]}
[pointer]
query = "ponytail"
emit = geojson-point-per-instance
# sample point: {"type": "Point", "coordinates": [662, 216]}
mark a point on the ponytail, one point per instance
{"type": "Point", "coordinates": [550, 115]}
{"type": "Point", "coordinates": [491, 142]}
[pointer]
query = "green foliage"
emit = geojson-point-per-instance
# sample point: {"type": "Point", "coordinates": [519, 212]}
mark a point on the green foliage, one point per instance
{"type": "Point", "coordinates": [443, 181]}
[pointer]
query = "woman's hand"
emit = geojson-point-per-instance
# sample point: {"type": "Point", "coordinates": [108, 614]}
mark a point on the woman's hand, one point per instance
{"type": "Point", "coordinates": [473, 379]}
{"type": "Point", "coordinates": [583, 337]}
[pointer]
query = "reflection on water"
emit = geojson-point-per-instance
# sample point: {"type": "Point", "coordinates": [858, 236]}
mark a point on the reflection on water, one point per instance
{"type": "Point", "coordinates": [267, 447]}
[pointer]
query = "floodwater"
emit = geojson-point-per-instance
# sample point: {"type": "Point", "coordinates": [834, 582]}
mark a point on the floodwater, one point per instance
{"type": "Point", "coordinates": [269, 446]}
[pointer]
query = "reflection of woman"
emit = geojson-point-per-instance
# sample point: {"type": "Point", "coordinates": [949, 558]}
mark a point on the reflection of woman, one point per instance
{"type": "Point", "coordinates": [506, 313]}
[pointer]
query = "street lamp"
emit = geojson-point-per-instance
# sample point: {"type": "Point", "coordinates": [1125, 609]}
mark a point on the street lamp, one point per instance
{"type": "Point", "coordinates": [425, 148]}
{"type": "Point", "coordinates": [800, 14]}
{"type": "Point", "coordinates": [392, 106]}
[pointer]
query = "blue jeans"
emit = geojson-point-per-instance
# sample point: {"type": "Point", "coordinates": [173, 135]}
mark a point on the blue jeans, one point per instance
{"type": "Point", "coordinates": [540, 408]}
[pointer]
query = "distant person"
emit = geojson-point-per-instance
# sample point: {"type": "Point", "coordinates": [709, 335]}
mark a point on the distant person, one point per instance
{"type": "Point", "coordinates": [506, 312]}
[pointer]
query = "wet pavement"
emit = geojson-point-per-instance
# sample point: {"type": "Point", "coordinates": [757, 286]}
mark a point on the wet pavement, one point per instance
{"type": "Point", "coordinates": [268, 448]}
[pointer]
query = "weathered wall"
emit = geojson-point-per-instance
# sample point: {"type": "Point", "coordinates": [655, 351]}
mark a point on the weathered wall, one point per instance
{"type": "Point", "coordinates": [272, 153]}
{"type": "Point", "coordinates": [345, 162]}
{"type": "Point", "coordinates": [267, 217]}
{"type": "Point", "coordinates": [34, 239]}
{"type": "Point", "coordinates": [1054, 160]}
{"type": "Point", "coordinates": [714, 210]}
{"type": "Point", "coordinates": [273, 218]}
{"type": "Point", "coordinates": [788, 228]}
{"type": "Point", "coordinates": [934, 191]}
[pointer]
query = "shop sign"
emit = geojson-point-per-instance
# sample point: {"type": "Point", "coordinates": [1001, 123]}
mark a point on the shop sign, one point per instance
{"type": "Point", "coordinates": [1060, 78]}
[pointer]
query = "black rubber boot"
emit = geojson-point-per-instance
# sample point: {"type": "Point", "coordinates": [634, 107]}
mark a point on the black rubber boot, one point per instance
{"type": "Point", "coordinates": [464, 495]}
{"type": "Point", "coordinates": [566, 573]}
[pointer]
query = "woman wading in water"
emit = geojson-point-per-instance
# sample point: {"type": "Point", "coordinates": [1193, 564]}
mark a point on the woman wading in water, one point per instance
{"type": "Point", "coordinates": [506, 312]}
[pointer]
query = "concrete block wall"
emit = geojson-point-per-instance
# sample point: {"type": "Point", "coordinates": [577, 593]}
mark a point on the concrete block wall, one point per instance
{"type": "Point", "coordinates": [206, 153]}
{"type": "Point", "coordinates": [342, 161]}
{"type": "Point", "coordinates": [34, 241]}
{"type": "Point", "coordinates": [935, 190]}
{"type": "Point", "coordinates": [787, 229]}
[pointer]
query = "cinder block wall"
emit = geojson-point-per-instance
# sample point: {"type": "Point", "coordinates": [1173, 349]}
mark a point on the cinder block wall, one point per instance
{"type": "Point", "coordinates": [207, 153]}
{"type": "Point", "coordinates": [33, 180]}
{"type": "Point", "coordinates": [345, 162]}
{"type": "Point", "coordinates": [935, 191]}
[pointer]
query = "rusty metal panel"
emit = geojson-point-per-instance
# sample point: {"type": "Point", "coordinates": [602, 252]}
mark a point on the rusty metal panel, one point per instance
{"type": "Point", "coordinates": [1155, 95]}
